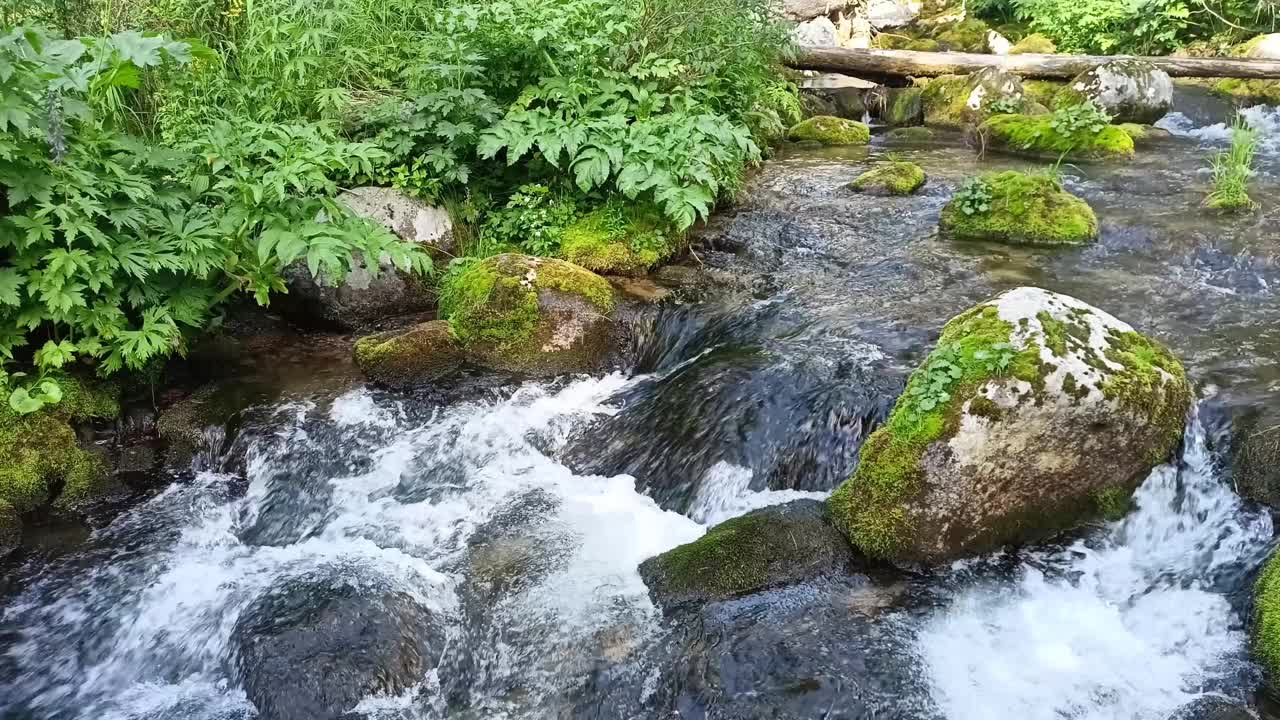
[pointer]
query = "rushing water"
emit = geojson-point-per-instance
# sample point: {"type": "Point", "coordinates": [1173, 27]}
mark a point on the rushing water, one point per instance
{"type": "Point", "coordinates": [517, 517]}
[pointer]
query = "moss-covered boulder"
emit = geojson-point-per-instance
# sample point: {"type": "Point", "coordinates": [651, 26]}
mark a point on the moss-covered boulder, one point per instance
{"type": "Point", "coordinates": [41, 460]}
{"type": "Point", "coordinates": [1040, 136]}
{"type": "Point", "coordinates": [897, 107]}
{"type": "Point", "coordinates": [1261, 47]}
{"type": "Point", "coordinates": [534, 316]}
{"type": "Point", "coordinates": [969, 35]}
{"type": "Point", "coordinates": [763, 549]}
{"type": "Point", "coordinates": [1266, 621]}
{"type": "Point", "coordinates": [604, 241]}
{"type": "Point", "coordinates": [420, 354]}
{"type": "Point", "coordinates": [1247, 93]}
{"type": "Point", "coordinates": [829, 130]}
{"type": "Point", "coordinates": [891, 178]}
{"type": "Point", "coordinates": [961, 100]}
{"type": "Point", "coordinates": [10, 528]}
{"type": "Point", "coordinates": [1019, 208]}
{"type": "Point", "coordinates": [1143, 135]}
{"type": "Point", "coordinates": [1035, 412]}
{"type": "Point", "coordinates": [1042, 92]}
{"type": "Point", "coordinates": [911, 134]}
{"type": "Point", "coordinates": [1034, 44]}
{"type": "Point", "coordinates": [1128, 90]}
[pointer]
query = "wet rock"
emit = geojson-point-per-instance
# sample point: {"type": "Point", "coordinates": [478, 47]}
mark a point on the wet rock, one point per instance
{"type": "Point", "coordinates": [1035, 412]}
{"type": "Point", "coordinates": [827, 130]}
{"type": "Point", "coordinates": [891, 178]}
{"type": "Point", "coordinates": [836, 95]}
{"type": "Point", "coordinates": [911, 134]}
{"type": "Point", "coordinates": [960, 100]}
{"type": "Point", "coordinates": [1131, 91]}
{"type": "Point", "coordinates": [1019, 209]}
{"type": "Point", "coordinates": [515, 548]}
{"type": "Point", "coordinates": [809, 9]}
{"type": "Point", "coordinates": [196, 427]}
{"type": "Point", "coordinates": [1256, 459]}
{"type": "Point", "coordinates": [10, 529]}
{"type": "Point", "coordinates": [423, 353]}
{"type": "Point", "coordinates": [897, 107]}
{"type": "Point", "coordinates": [313, 647]}
{"type": "Point", "coordinates": [534, 316]}
{"type": "Point", "coordinates": [1143, 135]}
{"type": "Point", "coordinates": [766, 548]}
{"type": "Point", "coordinates": [1212, 708]}
{"type": "Point", "coordinates": [818, 32]}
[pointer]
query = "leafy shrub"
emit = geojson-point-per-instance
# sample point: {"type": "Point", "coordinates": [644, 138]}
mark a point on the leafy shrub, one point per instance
{"type": "Point", "coordinates": [1082, 119]}
{"type": "Point", "coordinates": [533, 220]}
{"type": "Point", "coordinates": [973, 197]}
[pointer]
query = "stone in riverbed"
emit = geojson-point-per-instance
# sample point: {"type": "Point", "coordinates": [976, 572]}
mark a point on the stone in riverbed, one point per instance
{"type": "Point", "coordinates": [763, 549]}
{"type": "Point", "coordinates": [529, 315]}
{"type": "Point", "coordinates": [827, 130]}
{"type": "Point", "coordinates": [1130, 91]}
{"type": "Point", "coordinates": [423, 353]}
{"type": "Point", "coordinates": [312, 648]}
{"type": "Point", "coordinates": [818, 32]}
{"type": "Point", "coordinates": [961, 100]}
{"type": "Point", "coordinates": [1038, 135]}
{"type": "Point", "coordinates": [891, 178]}
{"type": "Point", "coordinates": [1212, 708]}
{"type": "Point", "coordinates": [1020, 209]}
{"type": "Point", "coordinates": [1035, 412]}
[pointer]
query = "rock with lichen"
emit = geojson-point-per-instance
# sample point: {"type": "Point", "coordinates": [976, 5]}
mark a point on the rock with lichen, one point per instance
{"type": "Point", "coordinates": [1034, 413]}
{"type": "Point", "coordinates": [1044, 136]}
{"type": "Point", "coordinates": [962, 100]}
{"type": "Point", "coordinates": [420, 354]}
{"type": "Point", "coordinates": [891, 178]}
{"type": "Point", "coordinates": [763, 549]}
{"type": "Point", "coordinates": [828, 130]}
{"type": "Point", "coordinates": [1020, 209]}
{"type": "Point", "coordinates": [530, 315]}
{"type": "Point", "coordinates": [1130, 91]}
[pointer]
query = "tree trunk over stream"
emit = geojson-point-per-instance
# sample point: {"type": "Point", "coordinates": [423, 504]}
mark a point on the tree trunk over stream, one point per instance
{"type": "Point", "coordinates": [889, 64]}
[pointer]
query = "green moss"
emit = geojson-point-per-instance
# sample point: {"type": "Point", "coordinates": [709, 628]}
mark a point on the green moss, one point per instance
{"type": "Point", "coordinates": [1266, 620]}
{"type": "Point", "coordinates": [829, 130]}
{"type": "Point", "coordinates": [1042, 91]}
{"type": "Point", "coordinates": [902, 106]}
{"type": "Point", "coordinates": [1036, 135]}
{"type": "Point", "coordinates": [868, 506]}
{"type": "Point", "coordinates": [495, 301]}
{"type": "Point", "coordinates": [982, 406]}
{"type": "Point", "coordinates": [610, 242]}
{"type": "Point", "coordinates": [911, 134]}
{"type": "Point", "coordinates": [892, 178]}
{"type": "Point", "coordinates": [1246, 47]}
{"type": "Point", "coordinates": [1113, 503]}
{"type": "Point", "coordinates": [923, 45]}
{"type": "Point", "coordinates": [965, 36]}
{"type": "Point", "coordinates": [944, 98]}
{"type": "Point", "coordinates": [1024, 209]}
{"type": "Point", "coordinates": [1246, 93]}
{"type": "Point", "coordinates": [10, 528]}
{"type": "Point", "coordinates": [1035, 44]}
{"type": "Point", "coordinates": [423, 353]}
{"type": "Point", "coordinates": [40, 458]}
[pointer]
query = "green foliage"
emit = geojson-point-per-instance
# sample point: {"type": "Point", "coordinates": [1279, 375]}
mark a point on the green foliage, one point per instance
{"type": "Point", "coordinates": [973, 197]}
{"type": "Point", "coordinates": [1007, 105]}
{"type": "Point", "coordinates": [534, 220]}
{"type": "Point", "coordinates": [940, 372]}
{"type": "Point", "coordinates": [1083, 120]}
{"type": "Point", "coordinates": [1232, 169]}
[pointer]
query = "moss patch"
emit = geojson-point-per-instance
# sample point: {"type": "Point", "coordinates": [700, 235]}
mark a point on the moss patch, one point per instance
{"type": "Point", "coordinates": [402, 358]}
{"type": "Point", "coordinates": [911, 134]}
{"type": "Point", "coordinates": [1246, 93]}
{"type": "Point", "coordinates": [964, 36]}
{"type": "Point", "coordinates": [944, 98]}
{"type": "Point", "coordinates": [612, 242]}
{"type": "Point", "coordinates": [1024, 209]}
{"type": "Point", "coordinates": [40, 458]}
{"type": "Point", "coordinates": [1034, 44]}
{"type": "Point", "coordinates": [1266, 620]}
{"type": "Point", "coordinates": [1113, 503]}
{"type": "Point", "coordinates": [1037, 135]}
{"type": "Point", "coordinates": [891, 178]}
{"type": "Point", "coordinates": [868, 506]}
{"type": "Point", "coordinates": [1042, 91]}
{"type": "Point", "coordinates": [829, 130]}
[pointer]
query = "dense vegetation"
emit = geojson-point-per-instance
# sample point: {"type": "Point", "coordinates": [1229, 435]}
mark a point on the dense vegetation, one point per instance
{"type": "Point", "coordinates": [147, 180]}
{"type": "Point", "coordinates": [1146, 27]}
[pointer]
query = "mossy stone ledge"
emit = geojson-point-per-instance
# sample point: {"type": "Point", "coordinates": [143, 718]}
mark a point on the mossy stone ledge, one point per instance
{"type": "Point", "coordinates": [423, 353]}
{"type": "Point", "coordinates": [1035, 135]}
{"type": "Point", "coordinates": [1266, 621]}
{"type": "Point", "coordinates": [891, 178]}
{"type": "Point", "coordinates": [829, 130]}
{"type": "Point", "coordinates": [530, 315]}
{"type": "Point", "coordinates": [766, 548]}
{"type": "Point", "coordinates": [1051, 413]}
{"type": "Point", "coordinates": [1025, 209]}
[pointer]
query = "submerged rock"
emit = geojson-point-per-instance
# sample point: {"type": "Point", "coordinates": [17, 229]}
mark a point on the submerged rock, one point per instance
{"type": "Point", "coordinates": [1213, 708]}
{"type": "Point", "coordinates": [911, 134]}
{"type": "Point", "coordinates": [1021, 209]}
{"type": "Point", "coordinates": [1034, 412]}
{"type": "Point", "coordinates": [828, 130]}
{"type": "Point", "coordinates": [1128, 90]}
{"type": "Point", "coordinates": [535, 316]}
{"type": "Point", "coordinates": [311, 648]}
{"type": "Point", "coordinates": [419, 354]}
{"type": "Point", "coordinates": [1039, 135]}
{"type": "Point", "coordinates": [891, 178]}
{"type": "Point", "coordinates": [960, 100]}
{"type": "Point", "coordinates": [763, 549]}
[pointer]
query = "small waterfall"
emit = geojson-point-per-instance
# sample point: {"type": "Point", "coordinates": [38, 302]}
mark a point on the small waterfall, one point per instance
{"type": "Point", "coordinates": [1127, 626]}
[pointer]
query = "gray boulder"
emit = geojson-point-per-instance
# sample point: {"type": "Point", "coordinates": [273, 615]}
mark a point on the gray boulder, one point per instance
{"type": "Point", "coordinates": [1131, 91]}
{"type": "Point", "coordinates": [818, 32]}
{"type": "Point", "coordinates": [885, 14]}
{"type": "Point", "coordinates": [809, 9]}
{"type": "Point", "coordinates": [1262, 47]}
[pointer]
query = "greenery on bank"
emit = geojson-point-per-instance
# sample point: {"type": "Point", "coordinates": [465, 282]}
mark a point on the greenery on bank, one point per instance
{"type": "Point", "coordinates": [147, 180]}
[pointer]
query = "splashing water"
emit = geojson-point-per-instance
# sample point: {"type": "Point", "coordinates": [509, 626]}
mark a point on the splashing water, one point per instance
{"type": "Point", "coordinates": [1127, 628]}
{"type": "Point", "coordinates": [1265, 119]}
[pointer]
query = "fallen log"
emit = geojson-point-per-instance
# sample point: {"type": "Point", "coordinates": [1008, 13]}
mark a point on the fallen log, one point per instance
{"type": "Point", "coordinates": [885, 64]}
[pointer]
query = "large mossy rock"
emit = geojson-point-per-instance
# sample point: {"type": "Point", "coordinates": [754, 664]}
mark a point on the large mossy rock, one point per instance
{"type": "Point", "coordinates": [1247, 93]}
{"type": "Point", "coordinates": [1262, 47]}
{"type": "Point", "coordinates": [1021, 209]}
{"type": "Point", "coordinates": [423, 353]}
{"type": "Point", "coordinates": [530, 315]}
{"type": "Point", "coordinates": [1034, 412]}
{"type": "Point", "coordinates": [311, 649]}
{"type": "Point", "coordinates": [962, 100]}
{"type": "Point", "coordinates": [41, 460]}
{"type": "Point", "coordinates": [763, 549]}
{"type": "Point", "coordinates": [1130, 91]}
{"type": "Point", "coordinates": [1037, 135]}
{"type": "Point", "coordinates": [891, 178]}
{"type": "Point", "coordinates": [828, 130]}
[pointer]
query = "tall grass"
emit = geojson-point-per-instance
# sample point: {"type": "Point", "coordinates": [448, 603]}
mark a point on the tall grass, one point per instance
{"type": "Point", "coordinates": [1232, 169]}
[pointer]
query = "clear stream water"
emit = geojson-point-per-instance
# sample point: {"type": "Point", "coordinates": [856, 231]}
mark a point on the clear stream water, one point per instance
{"type": "Point", "coordinates": [759, 395]}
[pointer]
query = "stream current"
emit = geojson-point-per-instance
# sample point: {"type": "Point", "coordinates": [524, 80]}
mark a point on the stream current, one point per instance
{"type": "Point", "coordinates": [517, 516]}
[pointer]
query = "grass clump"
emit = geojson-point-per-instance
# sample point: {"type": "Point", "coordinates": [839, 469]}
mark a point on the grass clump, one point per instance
{"type": "Point", "coordinates": [1232, 169]}
{"type": "Point", "coordinates": [1019, 208]}
{"type": "Point", "coordinates": [829, 130]}
{"type": "Point", "coordinates": [895, 177]}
